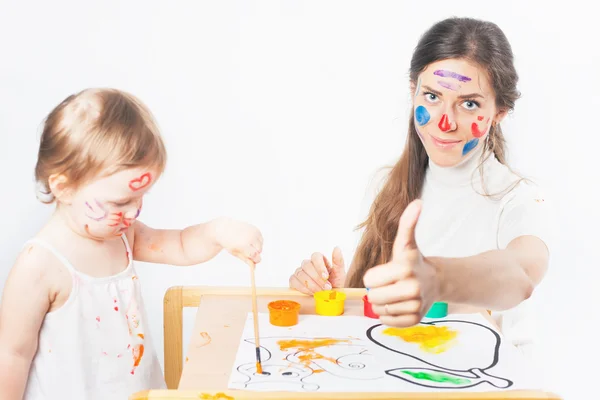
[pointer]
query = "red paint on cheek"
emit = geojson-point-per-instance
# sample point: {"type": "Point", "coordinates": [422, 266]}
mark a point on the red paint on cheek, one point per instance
{"type": "Point", "coordinates": [444, 125]}
{"type": "Point", "coordinates": [141, 182]}
{"type": "Point", "coordinates": [476, 132]}
{"type": "Point", "coordinates": [480, 118]}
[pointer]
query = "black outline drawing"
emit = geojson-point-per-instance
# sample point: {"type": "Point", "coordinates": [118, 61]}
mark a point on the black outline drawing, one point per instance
{"type": "Point", "coordinates": [476, 373]}
{"type": "Point", "coordinates": [249, 369]}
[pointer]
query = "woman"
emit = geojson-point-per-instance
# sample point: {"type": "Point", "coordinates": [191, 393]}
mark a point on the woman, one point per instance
{"type": "Point", "coordinates": [481, 241]}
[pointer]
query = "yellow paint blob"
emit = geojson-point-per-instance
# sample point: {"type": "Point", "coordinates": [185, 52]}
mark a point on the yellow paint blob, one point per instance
{"type": "Point", "coordinates": [432, 339]}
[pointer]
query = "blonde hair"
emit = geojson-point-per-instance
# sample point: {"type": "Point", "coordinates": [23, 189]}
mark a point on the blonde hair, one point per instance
{"type": "Point", "coordinates": [93, 132]}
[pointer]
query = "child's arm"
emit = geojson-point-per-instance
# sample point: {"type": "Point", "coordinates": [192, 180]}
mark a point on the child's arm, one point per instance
{"type": "Point", "coordinates": [25, 301]}
{"type": "Point", "coordinates": [196, 244]}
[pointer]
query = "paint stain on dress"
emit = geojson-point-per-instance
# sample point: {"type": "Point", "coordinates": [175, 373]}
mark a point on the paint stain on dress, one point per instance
{"type": "Point", "coordinates": [138, 353]}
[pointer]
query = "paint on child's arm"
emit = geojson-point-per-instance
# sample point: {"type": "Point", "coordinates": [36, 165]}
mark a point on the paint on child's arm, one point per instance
{"type": "Point", "coordinates": [141, 182]}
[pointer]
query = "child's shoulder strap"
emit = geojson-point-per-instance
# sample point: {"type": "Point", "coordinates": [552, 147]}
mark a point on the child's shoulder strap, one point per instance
{"type": "Point", "coordinates": [53, 250]}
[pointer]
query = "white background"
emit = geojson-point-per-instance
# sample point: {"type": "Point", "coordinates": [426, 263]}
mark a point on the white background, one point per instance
{"type": "Point", "coordinates": [280, 112]}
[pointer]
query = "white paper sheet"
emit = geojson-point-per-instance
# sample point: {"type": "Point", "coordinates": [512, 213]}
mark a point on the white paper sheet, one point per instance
{"type": "Point", "coordinates": [368, 360]}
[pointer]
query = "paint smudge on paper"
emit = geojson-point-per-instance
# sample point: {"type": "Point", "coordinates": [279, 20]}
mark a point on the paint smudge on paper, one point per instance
{"type": "Point", "coordinates": [444, 124]}
{"type": "Point", "coordinates": [437, 377]}
{"type": "Point", "coordinates": [449, 85]}
{"type": "Point", "coordinates": [141, 182]}
{"type": "Point", "coordinates": [432, 339]}
{"type": "Point", "coordinates": [449, 74]}
{"type": "Point", "coordinates": [476, 132]}
{"type": "Point", "coordinates": [306, 348]}
{"type": "Point", "coordinates": [470, 145]}
{"type": "Point", "coordinates": [206, 339]}
{"type": "Point", "coordinates": [422, 115]}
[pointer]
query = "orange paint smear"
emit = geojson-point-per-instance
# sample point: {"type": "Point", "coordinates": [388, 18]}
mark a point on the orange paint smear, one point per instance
{"type": "Point", "coordinates": [141, 335]}
{"type": "Point", "coordinates": [206, 337]}
{"type": "Point", "coordinates": [432, 339]}
{"type": "Point", "coordinates": [154, 247]}
{"type": "Point", "coordinates": [138, 352]}
{"type": "Point", "coordinates": [308, 348]}
{"type": "Point", "coordinates": [218, 396]}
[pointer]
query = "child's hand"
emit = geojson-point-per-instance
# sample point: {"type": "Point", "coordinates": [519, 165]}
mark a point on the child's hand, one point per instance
{"type": "Point", "coordinates": [239, 238]}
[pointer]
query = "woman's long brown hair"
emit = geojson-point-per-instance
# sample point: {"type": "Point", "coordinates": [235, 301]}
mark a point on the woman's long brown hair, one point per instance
{"type": "Point", "coordinates": [481, 42]}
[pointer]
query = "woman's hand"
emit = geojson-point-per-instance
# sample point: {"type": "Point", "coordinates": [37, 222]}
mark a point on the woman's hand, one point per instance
{"type": "Point", "coordinates": [319, 274]}
{"type": "Point", "coordinates": [242, 240]}
{"type": "Point", "coordinates": [403, 290]}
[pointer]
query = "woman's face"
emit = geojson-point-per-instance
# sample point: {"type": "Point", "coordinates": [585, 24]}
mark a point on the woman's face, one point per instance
{"type": "Point", "coordinates": [454, 107]}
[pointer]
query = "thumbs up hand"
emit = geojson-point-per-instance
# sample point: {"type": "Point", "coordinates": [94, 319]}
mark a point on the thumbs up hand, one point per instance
{"type": "Point", "coordinates": [402, 290]}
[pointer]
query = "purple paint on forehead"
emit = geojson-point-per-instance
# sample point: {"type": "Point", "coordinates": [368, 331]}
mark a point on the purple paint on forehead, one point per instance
{"type": "Point", "coordinates": [449, 74]}
{"type": "Point", "coordinates": [449, 85]}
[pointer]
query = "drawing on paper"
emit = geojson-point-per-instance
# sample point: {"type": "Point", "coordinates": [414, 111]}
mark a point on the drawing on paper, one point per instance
{"type": "Point", "coordinates": [361, 355]}
{"type": "Point", "coordinates": [301, 358]}
{"type": "Point", "coordinates": [449, 371]}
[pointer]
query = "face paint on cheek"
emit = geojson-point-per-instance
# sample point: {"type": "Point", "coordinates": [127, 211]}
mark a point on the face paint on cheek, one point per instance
{"type": "Point", "coordinates": [480, 118]}
{"type": "Point", "coordinates": [422, 115]}
{"type": "Point", "coordinates": [476, 132]}
{"type": "Point", "coordinates": [97, 212]}
{"type": "Point", "coordinates": [470, 145]}
{"type": "Point", "coordinates": [141, 182]}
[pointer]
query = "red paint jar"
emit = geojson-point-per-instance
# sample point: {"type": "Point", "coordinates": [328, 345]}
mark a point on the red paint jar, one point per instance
{"type": "Point", "coordinates": [368, 310]}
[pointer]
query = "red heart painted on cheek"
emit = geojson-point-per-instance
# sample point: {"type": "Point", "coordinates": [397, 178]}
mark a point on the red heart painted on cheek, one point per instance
{"type": "Point", "coordinates": [141, 182]}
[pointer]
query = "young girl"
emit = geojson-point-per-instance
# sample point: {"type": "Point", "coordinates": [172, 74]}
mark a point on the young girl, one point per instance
{"type": "Point", "coordinates": [482, 236]}
{"type": "Point", "coordinates": [72, 319]}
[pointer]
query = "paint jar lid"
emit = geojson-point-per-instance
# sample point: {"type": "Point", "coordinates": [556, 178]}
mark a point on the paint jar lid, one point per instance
{"type": "Point", "coordinates": [438, 310]}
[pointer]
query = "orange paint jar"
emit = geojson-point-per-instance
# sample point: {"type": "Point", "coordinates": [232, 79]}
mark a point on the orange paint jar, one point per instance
{"type": "Point", "coordinates": [284, 312]}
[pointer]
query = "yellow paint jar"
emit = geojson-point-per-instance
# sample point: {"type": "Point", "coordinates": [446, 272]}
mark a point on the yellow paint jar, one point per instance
{"type": "Point", "coordinates": [329, 303]}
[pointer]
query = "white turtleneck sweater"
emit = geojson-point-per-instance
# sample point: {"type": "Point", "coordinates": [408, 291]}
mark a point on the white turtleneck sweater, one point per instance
{"type": "Point", "coordinates": [457, 221]}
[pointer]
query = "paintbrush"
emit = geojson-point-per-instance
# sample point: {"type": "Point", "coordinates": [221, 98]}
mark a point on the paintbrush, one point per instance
{"type": "Point", "coordinates": [255, 313]}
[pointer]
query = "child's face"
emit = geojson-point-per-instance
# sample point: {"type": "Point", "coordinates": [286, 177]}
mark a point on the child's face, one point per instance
{"type": "Point", "coordinates": [106, 207]}
{"type": "Point", "coordinates": [454, 107]}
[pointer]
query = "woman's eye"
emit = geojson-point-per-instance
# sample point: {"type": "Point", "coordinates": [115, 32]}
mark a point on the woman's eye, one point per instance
{"type": "Point", "coordinates": [430, 97]}
{"type": "Point", "coordinates": [470, 105]}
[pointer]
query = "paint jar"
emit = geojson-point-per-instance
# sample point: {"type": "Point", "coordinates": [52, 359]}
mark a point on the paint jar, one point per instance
{"type": "Point", "coordinates": [437, 310]}
{"type": "Point", "coordinates": [329, 303]}
{"type": "Point", "coordinates": [368, 308]}
{"type": "Point", "coordinates": [284, 312]}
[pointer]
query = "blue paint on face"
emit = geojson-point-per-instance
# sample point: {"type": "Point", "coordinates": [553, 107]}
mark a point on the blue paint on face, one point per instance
{"type": "Point", "coordinates": [470, 145]}
{"type": "Point", "coordinates": [422, 115]}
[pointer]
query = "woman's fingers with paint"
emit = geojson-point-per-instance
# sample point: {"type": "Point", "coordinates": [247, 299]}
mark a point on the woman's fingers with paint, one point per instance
{"type": "Point", "coordinates": [320, 265]}
{"type": "Point", "coordinates": [316, 274]}
{"type": "Point", "coordinates": [336, 269]}
{"type": "Point", "coordinates": [302, 282]}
